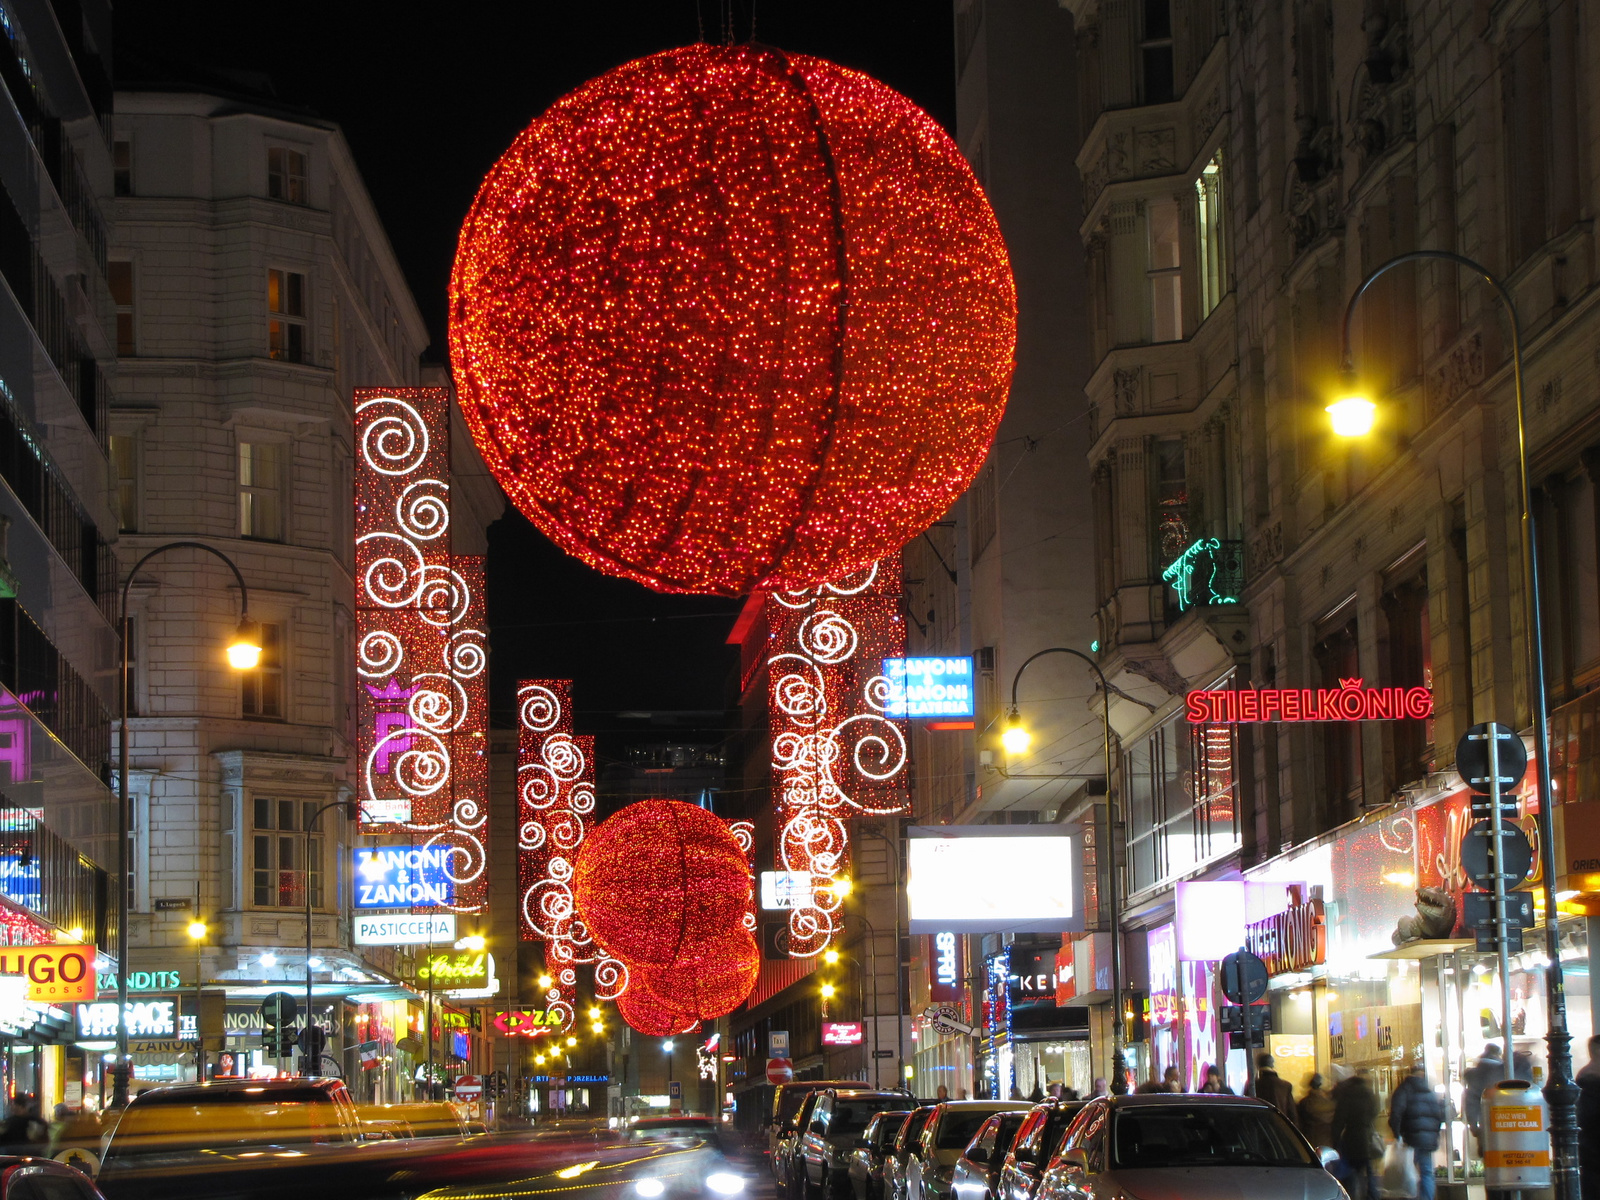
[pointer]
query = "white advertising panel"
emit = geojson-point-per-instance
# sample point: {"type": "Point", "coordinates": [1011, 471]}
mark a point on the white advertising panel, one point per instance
{"type": "Point", "coordinates": [994, 879]}
{"type": "Point", "coordinates": [786, 889]}
{"type": "Point", "coordinates": [403, 929]}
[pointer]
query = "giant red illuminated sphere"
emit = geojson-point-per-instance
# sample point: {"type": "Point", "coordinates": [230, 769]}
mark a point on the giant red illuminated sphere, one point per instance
{"type": "Point", "coordinates": [727, 318]}
{"type": "Point", "coordinates": [652, 1016]}
{"type": "Point", "coordinates": [711, 980]}
{"type": "Point", "coordinates": [659, 881]}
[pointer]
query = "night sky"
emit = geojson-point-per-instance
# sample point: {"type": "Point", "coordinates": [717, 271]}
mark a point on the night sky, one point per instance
{"type": "Point", "coordinates": [428, 98]}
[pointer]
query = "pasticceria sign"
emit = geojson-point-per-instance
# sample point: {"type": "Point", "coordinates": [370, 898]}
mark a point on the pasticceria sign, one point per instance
{"type": "Point", "coordinates": [1294, 940]}
{"type": "Point", "coordinates": [55, 974]}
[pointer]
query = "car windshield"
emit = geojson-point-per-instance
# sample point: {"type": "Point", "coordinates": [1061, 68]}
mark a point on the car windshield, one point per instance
{"type": "Point", "coordinates": [1009, 1124]}
{"type": "Point", "coordinates": [889, 1126]}
{"type": "Point", "coordinates": [790, 1104]}
{"type": "Point", "coordinates": [913, 1129]}
{"type": "Point", "coordinates": [958, 1126]}
{"type": "Point", "coordinates": [182, 1122]}
{"type": "Point", "coordinates": [1211, 1135]}
{"type": "Point", "coordinates": [851, 1116]}
{"type": "Point", "coordinates": [672, 1131]}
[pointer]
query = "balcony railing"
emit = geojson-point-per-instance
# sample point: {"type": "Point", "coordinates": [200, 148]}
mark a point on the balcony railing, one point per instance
{"type": "Point", "coordinates": [1209, 573]}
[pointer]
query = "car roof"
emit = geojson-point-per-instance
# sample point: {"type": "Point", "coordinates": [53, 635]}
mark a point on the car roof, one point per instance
{"type": "Point", "coordinates": [867, 1093]}
{"type": "Point", "coordinates": [986, 1105]}
{"type": "Point", "coordinates": [179, 1092]}
{"type": "Point", "coordinates": [1187, 1099]}
{"type": "Point", "coordinates": [648, 1122]}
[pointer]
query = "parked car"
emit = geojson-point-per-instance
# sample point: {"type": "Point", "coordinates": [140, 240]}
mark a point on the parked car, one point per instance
{"type": "Point", "coordinates": [875, 1146]}
{"type": "Point", "coordinates": [907, 1143]}
{"type": "Point", "coordinates": [943, 1138]}
{"type": "Point", "coordinates": [1034, 1146]}
{"type": "Point", "coordinates": [1200, 1147]}
{"type": "Point", "coordinates": [786, 1101]}
{"type": "Point", "coordinates": [977, 1171]}
{"type": "Point", "coordinates": [838, 1119]}
{"type": "Point", "coordinates": [786, 1169]}
{"type": "Point", "coordinates": [41, 1179]}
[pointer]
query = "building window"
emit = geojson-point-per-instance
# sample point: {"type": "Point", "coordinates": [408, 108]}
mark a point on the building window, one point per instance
{"type": "Point", "coordinates": [1165, 274]}
{"type": "Point", "coordinates": [1155, 52]}
{"type": "Point", "coordinates": [1212, 228]}
{"type": "Point", "coordinates": [1172, 498]}
{"type": "Point", "coordinates": [286, 174]}
{"type": "Point", "coordinates": [119, 277]}
{"type": "Point", "coordinates": [261, 490]}
{"type": "Point", "coordinates": [1182, 809]}
{"type": "Point", "coordinates": [125, 462]}
{"type": "Point", "coordinates": [985, 509]}
{"type": "Point", "coordinates": [122, 167]}
{"type": "Point", "coordinates": [262, 688]}
{"type": "Point", "coordinates": [1337, 657]}
{"type": "Point", "coordinates": [279, 852]}
{"type": "Point", "coordinates": [286, 327]}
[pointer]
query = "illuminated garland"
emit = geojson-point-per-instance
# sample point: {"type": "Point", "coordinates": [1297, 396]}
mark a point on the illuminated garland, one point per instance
{"type": "Point", "coordinates": [421, 654]}
{"type": "Point", "coordinates": [727, 319]}
{"type": "Point", "coordinates": [834, 754]}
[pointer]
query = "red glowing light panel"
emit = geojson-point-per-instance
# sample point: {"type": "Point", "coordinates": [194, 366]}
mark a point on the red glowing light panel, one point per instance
{"type": "Point", "coordinates": [728, 319]}
{"type": "Point", "coordinates": [1347, 702]}
{"type": "Point", "coordinates": [555, 803]}
{"type": "Point", "coordinates": [834, 753]}
{"type": "Point", "coordinates": [421, 653]}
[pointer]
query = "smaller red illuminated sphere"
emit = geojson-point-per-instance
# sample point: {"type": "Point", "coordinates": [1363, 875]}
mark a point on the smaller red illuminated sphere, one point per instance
{"type": "Point", "coordinates": [709, 981]}
{"type": "Point", "coordinates": [653, 1016]}
{"type": "Point", "coordinates": [659, 881]}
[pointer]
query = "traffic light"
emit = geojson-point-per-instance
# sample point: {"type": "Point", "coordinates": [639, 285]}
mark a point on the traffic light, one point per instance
{"type": "Point", "coordinates": [278, 1043]}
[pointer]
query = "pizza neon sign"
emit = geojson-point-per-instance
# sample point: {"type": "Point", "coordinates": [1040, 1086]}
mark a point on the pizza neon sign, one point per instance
{"type": "Point", "coordinates": [1347, 702]}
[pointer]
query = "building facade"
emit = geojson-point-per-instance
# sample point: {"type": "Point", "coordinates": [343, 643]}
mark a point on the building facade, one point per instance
{"type": "Point", "coordinates": [58, 646]}
{"type": "Point", "coordinates": [254, 290]}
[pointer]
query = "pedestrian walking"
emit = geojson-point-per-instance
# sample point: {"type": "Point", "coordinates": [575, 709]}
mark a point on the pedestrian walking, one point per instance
{"type": "Point", "coordinates": [1355, 1135]}
{"type": "Point", "coordinates": [1316, 1113]}
{"type": "Point", "coordinates": [1589, 1121]}
{"type": "Point", "coordinates": [1274, 1088]}
{"type": "Point", "coordinates": [1416, 1115]}
{"type": "Point", "coordinates": [1213, 1084]}
{"type": "Point", "coordinates": [1489, 1069]}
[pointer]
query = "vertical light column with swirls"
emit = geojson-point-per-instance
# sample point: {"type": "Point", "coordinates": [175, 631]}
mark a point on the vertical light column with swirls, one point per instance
{"type": "Point", "coordinates": [835, 755]}
{"type": "Point", "coordinates": [555, 802]}
{"type": "Point", "coordinates": [421, 653]}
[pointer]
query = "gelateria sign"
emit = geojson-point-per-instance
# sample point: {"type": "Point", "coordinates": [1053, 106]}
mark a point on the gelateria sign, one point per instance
{"type": "Point", "coordinates": [1347, 702]}
{"type": "Point", "coordinates": [1294, 940]}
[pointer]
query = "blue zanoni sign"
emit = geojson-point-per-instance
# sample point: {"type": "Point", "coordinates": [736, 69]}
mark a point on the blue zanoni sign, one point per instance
{"type": "Point", "coordinates": [402, 877]}
{"type": "Point", "coordinates": [19, 880]}
{"type": "Point", "coordinates": [929, 687]}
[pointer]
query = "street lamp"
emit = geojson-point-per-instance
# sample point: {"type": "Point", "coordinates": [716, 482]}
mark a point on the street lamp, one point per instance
{"type": "Point", "coordinates": [197, 934]}
{"type": "Point", "coordinates": [243, 653]}
{"type": "Point", "coordinates": [310, 1062]}
{"type": "Point", "coordinates": [1560, 1091]}
{"type": "Point", "coordinates": [1016, 739]}
{"type": "Point", "coordinates": [667, 1046]}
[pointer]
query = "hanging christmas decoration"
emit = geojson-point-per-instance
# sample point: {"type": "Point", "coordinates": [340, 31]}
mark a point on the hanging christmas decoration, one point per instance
{"type": "Point", "coordinates": [658, 881]}
{"type": "Point", "coordinates": [652, 1016]}
{"type": "Point", "coordinates": [709, 981]}
{"type": "Point", "coordinates": [727, 318]}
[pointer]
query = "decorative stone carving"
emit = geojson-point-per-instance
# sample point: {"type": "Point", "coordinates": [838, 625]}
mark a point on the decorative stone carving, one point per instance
{"type": "Point", "coordinates": [1209, 113]}
{"type": "Point", "coordinates": [1266, 548]}
{"type": "Point", "coordinates": [1157, 150]}
{"type": "Point", "coordinates": [1461, 370]}
{"type": "Point", "coordinates": [1125, 391]}
{"type": "Point", "coordinates": [1117, 163]}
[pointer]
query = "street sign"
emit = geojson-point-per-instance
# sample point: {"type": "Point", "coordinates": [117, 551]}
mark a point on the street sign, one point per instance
{"type": "Point", "coordinates": [883, 1054]}
{"type": "Point", "coordinates": [278, 1043]}
{"type": "Point", "coordinates": [1478, 910]}
{"type": "Point", "coordinates": [778, 1043]}
{"type": "Point", "coordinates": [1247, 1026]}
{"type": "Point", "coordinates": [1516, 859]}
{"type": "Point", "coordinates": [468, 1087]}
{"type": "Point", "coordinates": [1244, 977]}
{"type": "Point", "coordinates": [1472, 757]}
{"type": "Point", "coordinates": [1486, 943]}
{"type": "Point", "coordinates": [279, 1009]}
{"type": "Point", "coordinates": [779, 1070]}
{"type": "Point", "coordinates": [313, 1038]}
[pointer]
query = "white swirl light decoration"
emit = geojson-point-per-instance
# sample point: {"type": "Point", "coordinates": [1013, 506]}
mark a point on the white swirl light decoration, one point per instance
{"type": "Point", "coordinates": [798, 690]}
{"type": "Point", "coordinates": [393, 435]}
{"type": "Point", "coordinates": [853, 584]}
{"type": "Point", "coordinates": [828, 638]}
{"type": "Point", "coordinates": [879, 752]}
{"type": "Point", "coordinates": [379, 654]}
{"type": "Point", "coordinates": [440, 705]}
{"type": "Point", "coordinates": [610, 978]}
{"type": "Point", "coordinates": [393, 567]}
{"type": "Point", "coordinates": [562, 755]}
{"type": "Point", "coordinates": [466, 654]}
{"type": "Point", "coordinates": [530, 835]}
{"type": "Point", "coordinates": [537, 786]}
{"type": "Point", "coordinates": [539, 708]}
{"type": "Point", "coordinates": [423, 510]}
{"type": "Point", "coordinates": [443, 597]}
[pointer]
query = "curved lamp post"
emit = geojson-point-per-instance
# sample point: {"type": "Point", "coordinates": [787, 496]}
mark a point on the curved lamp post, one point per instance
{"type": "Point", "coordinates": [1016, 740]}
{"type": "Point", "coordinates": [1357, 412]}
{"type": "Point", "coordinates": [308, 1064]}
{"type": "Point", "coordinates": [244, 653]}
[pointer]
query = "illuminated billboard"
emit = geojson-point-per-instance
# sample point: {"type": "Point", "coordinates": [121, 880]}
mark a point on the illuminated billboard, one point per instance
{"type": "Point", "coordinates": [929, 687]}
{"type": "Point", "coordinates": [786, 889]}
{"type": "Point", "coordinates": [994, 878]}
{"type": "Point", "coordinates": [402, 877]}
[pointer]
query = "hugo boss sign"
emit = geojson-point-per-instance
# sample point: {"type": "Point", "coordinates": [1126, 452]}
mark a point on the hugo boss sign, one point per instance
{"type": "Point", "coordinates": [55, 974]}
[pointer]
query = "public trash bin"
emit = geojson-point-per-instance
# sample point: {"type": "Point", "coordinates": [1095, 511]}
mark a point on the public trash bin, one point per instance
{"type": "Point", "coordinates": [1516, 1136]}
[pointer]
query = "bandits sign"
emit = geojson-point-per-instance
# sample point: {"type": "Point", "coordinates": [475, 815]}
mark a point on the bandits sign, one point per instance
{"type": "Point", "coordinates": [1347, 702]}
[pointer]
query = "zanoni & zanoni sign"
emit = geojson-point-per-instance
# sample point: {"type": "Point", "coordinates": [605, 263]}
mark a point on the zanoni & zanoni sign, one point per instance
{"type": "Point", "coordinates": [1347, 702]}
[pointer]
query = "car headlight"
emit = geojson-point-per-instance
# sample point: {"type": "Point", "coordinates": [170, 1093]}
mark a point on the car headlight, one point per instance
{"type": "Point", "coordinates": [649, 1187]}
{"type": "Point", "coordinates": [724, 1184]}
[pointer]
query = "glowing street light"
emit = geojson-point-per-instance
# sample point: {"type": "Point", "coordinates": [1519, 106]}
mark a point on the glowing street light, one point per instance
{"type": "Point", "coordinates": [1353, 415]}
{"type": "Point", "coordinates": [1015, 737]}
{"type": "Point", "coordinates": [244, 651]}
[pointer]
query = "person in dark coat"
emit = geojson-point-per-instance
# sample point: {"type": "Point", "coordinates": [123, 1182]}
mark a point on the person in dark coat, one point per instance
{"type": "Point", "coordinates": [1316, 1113]}
{"type": "Point", "coordinates": [1490, 1068]}
{"type": "Point", "coordinates": [1589, 1121]}
{"type": "Point", "coordinates": [1355, 1118]}
{"type": "Point", "coordinates": [1416, 1115]}
{"type": "Point", "coordinates": [1214, 1085]}
{"type": "Point", "coordinates": [1274, 1088]}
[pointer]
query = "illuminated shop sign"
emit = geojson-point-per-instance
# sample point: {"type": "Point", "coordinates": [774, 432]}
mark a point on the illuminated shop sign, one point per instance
{"type": "Point", "coordinates": [403, 876]}
{"type": "Point", "coordinates": [1347, 702]}
{"type": "Point", "coordinates": [403, 929]}
{"type": "Point", "coordinates": [1293, 940]}
{"type": "Point", "coordinates": [455, 969]}
{"type": "Point", "coordinates": [526, 1022]}
{"type": "Point", "coordinates": [786, 889]}
{"type": "Point", "coordinates": [143, 981]}
{"type": "Point", "coordinates": [841, 1033]}
{"type": "Point", "coordinates": [943, 954]}
{"type": "Point", "coordinates": [146, 1019]}
{"type": "Point", "coordinates": [19, 879]}
{"type": "Point", "coordinates": [53, 974]}
{"type": "Point", "coordinates": [929, 687]}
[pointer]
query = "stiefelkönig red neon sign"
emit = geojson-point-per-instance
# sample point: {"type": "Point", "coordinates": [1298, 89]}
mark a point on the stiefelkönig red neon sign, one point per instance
{"type": "Point", "coordinates": [1347, 702]}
